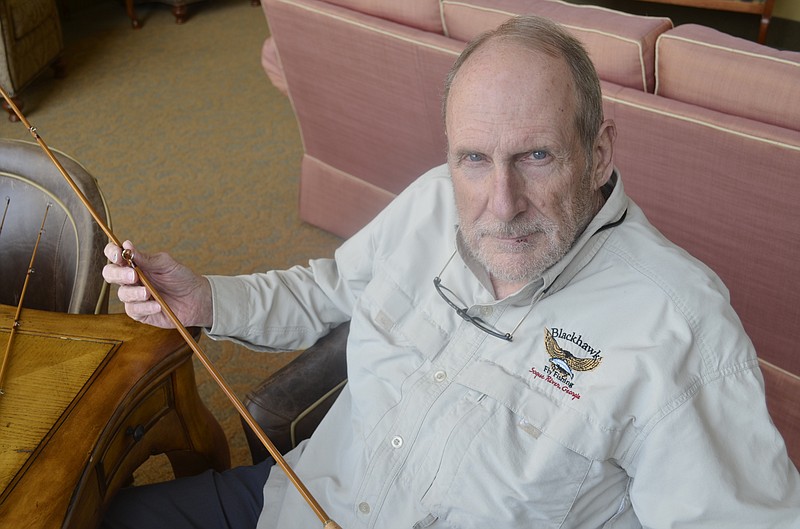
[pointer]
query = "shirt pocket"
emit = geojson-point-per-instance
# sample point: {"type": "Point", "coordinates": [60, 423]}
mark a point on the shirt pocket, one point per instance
{"type": "Point", "coordinates": [498, 470]}
{"type": "Point", "coordinates": [396, 342]}
{"type": "Point", "coordinates": [522, 455]}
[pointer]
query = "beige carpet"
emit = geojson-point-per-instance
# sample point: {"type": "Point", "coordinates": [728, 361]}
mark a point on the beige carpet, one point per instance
{"type": "Point", "coordinates": [195, 151]}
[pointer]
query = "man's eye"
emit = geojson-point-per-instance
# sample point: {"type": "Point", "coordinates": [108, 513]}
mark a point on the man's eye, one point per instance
{"type": "Point", "coordinates": [474, 157]}
{"type": "Point", "coordinates": [539, 155]}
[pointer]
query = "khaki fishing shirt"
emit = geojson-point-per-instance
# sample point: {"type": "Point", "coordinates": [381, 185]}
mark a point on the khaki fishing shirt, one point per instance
{"type": "Point", "coordinates": [629, 397]}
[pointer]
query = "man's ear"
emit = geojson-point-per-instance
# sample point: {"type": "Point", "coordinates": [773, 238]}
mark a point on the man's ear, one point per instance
{"type": "Point", "coordinates": [603, 159]}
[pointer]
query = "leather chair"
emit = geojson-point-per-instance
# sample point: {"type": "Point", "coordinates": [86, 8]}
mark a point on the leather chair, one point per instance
{"type": "Point", "coordinates": [69, 258]}
{"type": "Point", "coordinates": [32, 42]}
{"type": "Point", "coordinates": [291, 403]}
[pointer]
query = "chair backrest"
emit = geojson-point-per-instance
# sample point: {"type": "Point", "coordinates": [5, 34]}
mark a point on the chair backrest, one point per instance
{"type": "Point", "coordinates": [69, 258]}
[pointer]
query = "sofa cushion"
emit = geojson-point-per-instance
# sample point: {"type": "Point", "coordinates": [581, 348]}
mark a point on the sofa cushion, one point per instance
{"type": "Point", "coordinates": [704, 67]}
{"type": "Point", "coordinates": [621, 45]}
{"type": "Point", "coordinates": [782, 389]}
{"type": "Point", "coordinates": [420, 14]}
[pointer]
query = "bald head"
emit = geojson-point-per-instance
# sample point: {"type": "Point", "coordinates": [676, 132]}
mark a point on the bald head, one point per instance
{"type": "Point", "coordinates": [540, 36]}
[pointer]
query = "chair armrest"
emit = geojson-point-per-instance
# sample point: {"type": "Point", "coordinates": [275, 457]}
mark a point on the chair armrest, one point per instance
{"type": "Point", "coordinates": [292, 401]}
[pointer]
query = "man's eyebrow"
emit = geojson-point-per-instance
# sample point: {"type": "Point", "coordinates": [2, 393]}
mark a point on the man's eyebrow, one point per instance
{"type": "Point", "coordinates": [462, 151]}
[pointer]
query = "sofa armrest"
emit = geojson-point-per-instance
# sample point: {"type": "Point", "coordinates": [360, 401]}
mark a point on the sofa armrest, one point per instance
{"type": "Point", "coordinates": [271, 62]}
{"type": "Point", "coordinates": [291, 403]}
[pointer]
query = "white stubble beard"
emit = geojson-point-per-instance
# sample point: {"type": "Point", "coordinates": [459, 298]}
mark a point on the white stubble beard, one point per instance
{"type": "Point", "coordinates": [554, 241]}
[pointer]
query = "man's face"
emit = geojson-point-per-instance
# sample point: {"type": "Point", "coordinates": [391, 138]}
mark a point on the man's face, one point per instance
{"type": "Point", "coordinates": [524, 187]}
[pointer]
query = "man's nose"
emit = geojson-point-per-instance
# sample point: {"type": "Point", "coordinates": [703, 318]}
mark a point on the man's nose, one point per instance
{"type": "Point", "coordinates": [507, 198]}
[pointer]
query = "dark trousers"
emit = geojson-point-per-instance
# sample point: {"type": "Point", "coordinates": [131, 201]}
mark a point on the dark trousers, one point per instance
{"type": "Point", "coordinates": [212, 500]}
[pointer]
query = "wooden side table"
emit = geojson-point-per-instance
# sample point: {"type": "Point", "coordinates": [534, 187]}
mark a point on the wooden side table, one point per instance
{"type": "Point", "coordinates": [87, 400]}
{"type": "Point", "coordinates": [757, 7]}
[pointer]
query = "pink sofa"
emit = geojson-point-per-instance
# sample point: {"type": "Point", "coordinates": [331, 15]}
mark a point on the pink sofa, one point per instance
{"type": "Point", "coordinates": [709, 135]}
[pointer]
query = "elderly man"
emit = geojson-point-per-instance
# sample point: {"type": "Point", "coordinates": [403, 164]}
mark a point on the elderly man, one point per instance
{"type": "Point", "coordinates": [526, 350]}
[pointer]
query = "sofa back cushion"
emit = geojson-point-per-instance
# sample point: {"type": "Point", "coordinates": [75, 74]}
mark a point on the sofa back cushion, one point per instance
{"type": "Point", "coordinates": [704, 67]}
{"type": "Point", "coordinates": [725, 189]}
{"type": "Point", "coordinates": [420, 14]}
{"type": "Point", "coordinates": [622, 46]}
{"type": "Point", "coordinates": [782, 388]}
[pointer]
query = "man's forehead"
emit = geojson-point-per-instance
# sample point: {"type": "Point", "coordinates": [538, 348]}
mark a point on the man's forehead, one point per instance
{"type": "Point", "coordinates": [508, 49]}
{"type": "Point", "coordinates": [510, 62]}
{"type": "Point", "coordinates": [510, 138]}
{"type": "Point", "coordinates": [508, 78]}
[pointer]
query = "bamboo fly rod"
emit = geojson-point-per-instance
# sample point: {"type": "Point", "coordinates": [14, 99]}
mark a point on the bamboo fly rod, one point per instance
{"type": "Point", "coordinates": [199, 354]}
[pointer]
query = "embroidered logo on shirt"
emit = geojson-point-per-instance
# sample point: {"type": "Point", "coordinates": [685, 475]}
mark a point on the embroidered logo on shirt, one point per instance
{"type": "Point", "coordinates": [563, 364]}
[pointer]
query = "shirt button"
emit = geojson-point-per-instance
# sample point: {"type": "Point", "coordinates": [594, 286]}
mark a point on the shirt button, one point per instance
{"type": "Point", "coordinates": [397, 441]}
{"type": "Point", "coordinates": [486, 311]}
{"type": "Point", "coordinates": [440, 376]}
{"type": "Point", "coordinates": [363, 507]}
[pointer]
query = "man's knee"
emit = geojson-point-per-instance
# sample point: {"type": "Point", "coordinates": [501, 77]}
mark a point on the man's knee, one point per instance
{"type": "Point", "coordinates": [212, 499]}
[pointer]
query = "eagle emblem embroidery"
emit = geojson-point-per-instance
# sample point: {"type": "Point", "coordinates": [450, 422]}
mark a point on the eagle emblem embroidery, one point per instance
{"type": "Point", "coordinates": [564, 362]}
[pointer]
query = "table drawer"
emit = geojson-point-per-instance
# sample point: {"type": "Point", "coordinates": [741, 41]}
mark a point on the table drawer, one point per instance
{"type": "Point", "coordinates": [134, 427]}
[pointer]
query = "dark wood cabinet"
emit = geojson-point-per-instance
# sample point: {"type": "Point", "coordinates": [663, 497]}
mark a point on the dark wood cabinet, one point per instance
{"type": "Point", "coordinates": [756, 7]}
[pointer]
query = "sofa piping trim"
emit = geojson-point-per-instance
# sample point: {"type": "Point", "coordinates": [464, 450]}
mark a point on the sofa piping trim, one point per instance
{"type": "Point", "coordinates": [716, 47]}
{"type": "Point", "coordinates": [601, 8]}
{"type": "Point", "coordinates": [634, 42]}
{"type": "Point", "coordinates": [370, 28]}
{"type": "Point", "coordinates": [705, 124]}
{"type": "Point", "coordinates": [579, 28]}
{"type": "Point", "coordinates": [302, 415]}
{"type": "Point", "coordinates": [445, 31]}
{"type": "Point", "coordinates": [567, 4]}
{"type": "Point", "coordinates": [779, 369]}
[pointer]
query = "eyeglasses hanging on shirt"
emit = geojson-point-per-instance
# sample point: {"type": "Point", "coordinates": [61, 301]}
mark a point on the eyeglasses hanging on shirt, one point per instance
{"type": "Point", "coordinates": [446, 294]}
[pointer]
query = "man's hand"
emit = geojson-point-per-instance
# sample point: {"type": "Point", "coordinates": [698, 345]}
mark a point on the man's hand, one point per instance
{"type": "Point", "coordinates": [186, 293]}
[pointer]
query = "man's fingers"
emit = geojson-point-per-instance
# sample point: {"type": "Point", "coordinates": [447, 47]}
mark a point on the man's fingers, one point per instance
{"type": "Point", "coordinates": [138, 311]}
{"type": "Point", "coordinates": [118, 255]}
{"type": "Point", "coordinates": [119, 275]}
{"type": "Point", "coordinates": [132, 294]}
{"type": "Point", "coordinates": [113, 253]}
{"type": "Point", "coordinates": [119, 271]}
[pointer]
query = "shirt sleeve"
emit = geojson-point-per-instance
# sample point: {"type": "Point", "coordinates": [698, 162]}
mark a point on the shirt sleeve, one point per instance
{"type": "Point", "coordinates": [291, 309]}
{"type": "Point", "coordinates": [280, 310]}
{"type": "Point", "coordinates": [716, 460]}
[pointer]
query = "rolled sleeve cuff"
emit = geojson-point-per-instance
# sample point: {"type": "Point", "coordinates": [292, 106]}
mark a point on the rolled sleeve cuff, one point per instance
{"type": "Point", "coordinates": [229, 311]}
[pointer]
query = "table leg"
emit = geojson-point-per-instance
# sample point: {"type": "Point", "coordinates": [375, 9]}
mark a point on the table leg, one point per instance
{"type": "Point", "coordinates": [181, 13]}
{"type": "Point", "coordinates": [132, 14]}
{"type": "Point", "coordinates": [207, 446]}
